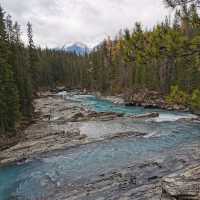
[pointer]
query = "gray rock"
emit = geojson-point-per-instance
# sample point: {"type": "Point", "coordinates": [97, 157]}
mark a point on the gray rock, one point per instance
{"type": "Point", "coordinates": [147, 115]}
{"type": "Point", "coordinates": [184, 185]}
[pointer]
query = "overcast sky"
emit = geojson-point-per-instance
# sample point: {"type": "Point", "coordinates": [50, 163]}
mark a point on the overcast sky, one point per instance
{"type": "Point", "coordinates": [60, 22]}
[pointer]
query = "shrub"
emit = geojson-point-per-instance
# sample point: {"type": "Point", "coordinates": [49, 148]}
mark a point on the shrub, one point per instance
{"type": "Point", "coordinates": [177, 96]}
{"type": "Point", "coordinates": [195, 100]}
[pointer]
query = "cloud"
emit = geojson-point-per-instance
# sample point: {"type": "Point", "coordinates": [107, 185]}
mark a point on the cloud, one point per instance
{"type": "Point", "coordinates": [59, 22]}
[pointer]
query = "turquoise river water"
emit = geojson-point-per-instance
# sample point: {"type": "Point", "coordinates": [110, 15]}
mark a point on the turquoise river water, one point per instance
{"type": "Point", "coordinates": [36, 179]}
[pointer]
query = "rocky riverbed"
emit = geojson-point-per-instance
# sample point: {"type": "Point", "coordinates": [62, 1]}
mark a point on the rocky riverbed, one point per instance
{"type": "Point", "coordinates": [72, 151]}
{"type": "Point", "coordinates": [57, 126]}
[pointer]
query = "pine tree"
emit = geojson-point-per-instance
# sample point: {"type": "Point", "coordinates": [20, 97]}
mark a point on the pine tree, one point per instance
{"type": "Point", "coordinates": [33, 59]}
{"type": "Point", "coordinates": [9, 100]}
{"type": "Point", "coordinates": [20, 60]}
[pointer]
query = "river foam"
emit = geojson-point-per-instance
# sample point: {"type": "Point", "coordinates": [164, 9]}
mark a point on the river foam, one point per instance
{"type": "Point", "coordinates": [170, 117]}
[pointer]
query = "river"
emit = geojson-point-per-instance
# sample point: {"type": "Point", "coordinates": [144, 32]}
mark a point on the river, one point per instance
{"type": "Point", "coordinates": [50, 173]}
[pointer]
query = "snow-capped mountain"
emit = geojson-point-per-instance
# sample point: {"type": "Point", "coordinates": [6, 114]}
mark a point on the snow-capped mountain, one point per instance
{"type": "Point", "coordinates": [78, 48]}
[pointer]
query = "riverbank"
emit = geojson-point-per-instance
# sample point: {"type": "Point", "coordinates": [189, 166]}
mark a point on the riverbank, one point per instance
{"type": "Point", "coordinates": [143, 98]}
{"type": "Point", "coordinates": [47, 101]}
{"type": "Point", "coordinates": [146, 99]}
{"type": "Point", "coordinates": [64, 124]}
{"type": "Point", "coordinates": [55, 127]}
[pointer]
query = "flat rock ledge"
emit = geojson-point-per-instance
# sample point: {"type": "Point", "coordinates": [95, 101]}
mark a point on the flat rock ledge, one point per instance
{"type": "Point", "coordinates": [184, 185]}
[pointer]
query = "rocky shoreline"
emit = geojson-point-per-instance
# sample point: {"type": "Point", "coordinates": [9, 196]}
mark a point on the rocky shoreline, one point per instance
{"type": "Point", "coordinates": [142, 98]}
{"type": "Point", "coordinates": [146, 99]}
{"type": "Point", "coordinates": [161, 179]}
{"type": "Point", "coordinates": [57, 127]}
{"type": "Point", "coordinates": [152, 99]}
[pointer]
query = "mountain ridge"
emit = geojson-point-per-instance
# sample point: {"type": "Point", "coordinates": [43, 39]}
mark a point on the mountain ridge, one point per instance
{"type": "Point", "coordinates": [78, 48]}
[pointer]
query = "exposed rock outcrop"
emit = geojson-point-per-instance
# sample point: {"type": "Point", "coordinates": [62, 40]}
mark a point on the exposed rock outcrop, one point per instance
{"type": "Point", "coordinates": [150, 99]}
{"type": "Point", "coordinates": [57, 127]}
{"type": "Point", "coordinates": [92, 115]}
{"type": "Point", "coordinates": [140, 181]}
{"type": "Point", "coordinates": [184, 185]}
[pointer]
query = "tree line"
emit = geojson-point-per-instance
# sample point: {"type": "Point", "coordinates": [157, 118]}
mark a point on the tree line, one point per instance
{"type": "Point", "coordinates": [165, 58]}
{"type": "Point", "coordinates": [15, 81]}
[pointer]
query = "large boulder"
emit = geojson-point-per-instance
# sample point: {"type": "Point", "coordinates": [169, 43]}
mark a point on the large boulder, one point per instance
{"type": "Point", "coordinates": [184, 185]}
{"type": "Point", "coordinates": [145, 98]}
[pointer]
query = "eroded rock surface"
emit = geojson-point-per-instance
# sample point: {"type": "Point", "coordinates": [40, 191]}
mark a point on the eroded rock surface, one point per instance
{"type": "Point", "coordinates": [59, 127]}
{"type": "Point", "coordinates": [182, 185]}
{"type": "Point", "coordinates": [140, 181]}
{"type": "Point", "coordinates": [151, 99]}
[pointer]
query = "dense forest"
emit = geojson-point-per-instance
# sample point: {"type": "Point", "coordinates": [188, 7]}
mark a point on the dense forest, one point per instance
{"type": "Point", "coordinates": [164, 59]}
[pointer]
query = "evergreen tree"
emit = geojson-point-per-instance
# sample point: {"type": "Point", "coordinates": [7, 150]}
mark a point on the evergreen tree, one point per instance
{"type": "Point", "coordinates": [32, 58]}
{"type": "Point", "coordinates": [9, 101]}
{"type": "Point", "coordinates": [165, 59]}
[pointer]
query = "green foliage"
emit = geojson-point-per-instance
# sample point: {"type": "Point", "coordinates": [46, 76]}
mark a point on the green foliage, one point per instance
{"type": "Point", "coordinates": [9, 100]}
{"type": "Point", "coordinates": [154, 59]}
{"type": "Point", "coordinates": [177, 96]}
{"type": "Point", "coordinates": [180, 97]}
{"type": "Point", "coordinates": [165, 59]}
{"type": "Point", "coordinates": [15, 81]}
{"type": "Point", "coordinates": [195, 100]}
{"type": "Point", "coordinates": [33, 59]}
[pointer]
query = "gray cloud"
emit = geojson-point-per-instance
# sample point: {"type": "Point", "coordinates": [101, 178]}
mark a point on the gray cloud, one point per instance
{"type": "Point", "coordinates": [59, 22]}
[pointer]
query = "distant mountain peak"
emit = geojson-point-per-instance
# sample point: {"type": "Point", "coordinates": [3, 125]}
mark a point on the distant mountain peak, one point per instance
{"type": "Point", "coordinates": [78, 48]}
{"type": "Point", "coordinates": [80, 44]}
